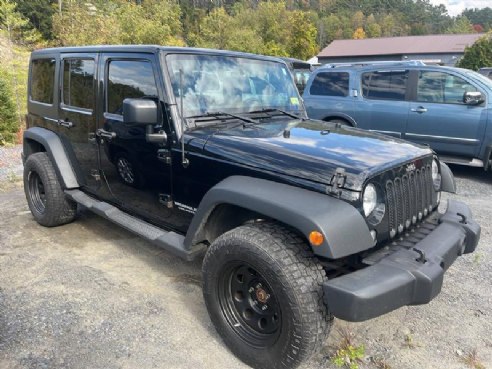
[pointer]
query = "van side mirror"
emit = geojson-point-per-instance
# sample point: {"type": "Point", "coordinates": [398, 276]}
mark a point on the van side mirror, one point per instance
{"type": "Point", "coordinates": [139, 112]}
{"type": "Point", "coordinates": [473, 98]}
{"type": "Point", "coordinates": [144, 112]}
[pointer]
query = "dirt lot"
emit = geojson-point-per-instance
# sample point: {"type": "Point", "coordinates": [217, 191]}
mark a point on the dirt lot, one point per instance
{"type": "Point", "coordinates": [90, 295]}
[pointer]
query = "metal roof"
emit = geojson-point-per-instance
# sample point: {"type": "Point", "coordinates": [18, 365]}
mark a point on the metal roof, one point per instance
{"type": "Point", "coordinates": [430, 44]}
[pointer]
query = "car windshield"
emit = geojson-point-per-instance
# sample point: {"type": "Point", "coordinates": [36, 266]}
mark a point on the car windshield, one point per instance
{"type": "Point", "coordinates": [215, 83]}
{"type": "Point", "coordinates": [485, 80]}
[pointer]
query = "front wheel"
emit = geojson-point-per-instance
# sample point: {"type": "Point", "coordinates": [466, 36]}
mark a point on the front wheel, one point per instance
{"type": "Point", "coordinates": [263, 291]}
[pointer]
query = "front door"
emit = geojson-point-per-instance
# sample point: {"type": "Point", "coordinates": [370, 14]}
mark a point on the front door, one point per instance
{"type": "Point", "coordinates": [77, 115]}
{"type": "Point", "coordinates": [136, 171]}
{"type": "Point", "coordinates": [439, 118]}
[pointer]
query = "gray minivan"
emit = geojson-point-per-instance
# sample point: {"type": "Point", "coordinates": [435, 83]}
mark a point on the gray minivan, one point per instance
{"type": "Point", "coordinates": [444, 107]}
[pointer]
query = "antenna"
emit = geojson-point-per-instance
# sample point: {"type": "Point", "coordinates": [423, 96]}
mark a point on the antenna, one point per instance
{"type": "Point", "coordinates": [184, 161]}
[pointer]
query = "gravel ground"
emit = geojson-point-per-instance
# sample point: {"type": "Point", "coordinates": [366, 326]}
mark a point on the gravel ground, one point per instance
{"type": "Point", "coordinates": [90, 295]}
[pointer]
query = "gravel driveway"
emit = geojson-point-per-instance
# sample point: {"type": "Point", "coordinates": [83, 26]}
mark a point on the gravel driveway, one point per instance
{"type": "Point", "coordinates": [91, 295]}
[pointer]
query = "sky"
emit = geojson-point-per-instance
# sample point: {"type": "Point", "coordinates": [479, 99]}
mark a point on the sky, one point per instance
{"type": "Point", "coordinates": [455, 7]}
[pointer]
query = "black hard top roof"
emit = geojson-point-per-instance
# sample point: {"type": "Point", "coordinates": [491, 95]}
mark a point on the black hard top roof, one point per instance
{"type": "Point", "coordinates": [148, 49]}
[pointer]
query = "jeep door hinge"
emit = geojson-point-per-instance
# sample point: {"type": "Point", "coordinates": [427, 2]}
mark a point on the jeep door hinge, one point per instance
{"type": "Point", "coordinates": [164, 155]}
{"type": "Point", "coordinates": [166, 200]}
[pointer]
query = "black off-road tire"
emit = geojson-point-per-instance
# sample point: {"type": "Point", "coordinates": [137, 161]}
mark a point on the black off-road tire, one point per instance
{"type": "Point", "coordinates": [292, 278]}
{"type": "Point", "coordinates": [47, 202]}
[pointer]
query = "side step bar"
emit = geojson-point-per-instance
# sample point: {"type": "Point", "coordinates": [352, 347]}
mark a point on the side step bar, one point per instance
{"type": "Point", "coordinates": [169, 241]}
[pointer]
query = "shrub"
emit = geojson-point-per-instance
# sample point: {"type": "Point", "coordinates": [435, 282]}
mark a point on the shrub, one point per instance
{"type": "Point", "coordinates": [9, 125]}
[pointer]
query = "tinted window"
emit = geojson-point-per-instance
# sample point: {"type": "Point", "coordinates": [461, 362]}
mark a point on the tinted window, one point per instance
{"type": "Point", "coordinates": [385, 85]}
{"type": "Point", "coordinates": [330, 84]}
{"type": "Point", "coordinates": [440, 87]}
{"type": "Point", "coordinates": [129, 79]}
{"type": "Point", "coordinates": [42, 80]}
{"type": "Point", "coordinates": [78, 83]}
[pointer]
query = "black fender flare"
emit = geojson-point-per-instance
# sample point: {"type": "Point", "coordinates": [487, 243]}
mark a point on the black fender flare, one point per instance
{"type": "Point", "coordinates": [344, 229]}
{"type": "Point", "coordinates": [448, 184]}
{"type": "Point", "coordinates": [56, 152]}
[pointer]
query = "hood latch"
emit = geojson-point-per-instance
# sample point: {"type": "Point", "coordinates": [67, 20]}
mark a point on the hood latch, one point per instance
{"type": "Point", "coordinates": [337, 182]}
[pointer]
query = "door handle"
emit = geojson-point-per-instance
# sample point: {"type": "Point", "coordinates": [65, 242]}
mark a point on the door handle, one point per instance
{"type": "Point", "coordinates": [105, 134]}
{"type": "Point", "coordinates": [65, 123]}
{"type": "Point", "coordinates": [419, 110]}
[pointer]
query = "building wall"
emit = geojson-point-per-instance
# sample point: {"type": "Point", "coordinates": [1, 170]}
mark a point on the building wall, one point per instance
{"type": "Point", "coordinates": [444, 59]}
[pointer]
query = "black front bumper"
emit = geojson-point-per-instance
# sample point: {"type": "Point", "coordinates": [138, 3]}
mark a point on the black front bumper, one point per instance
{"type": "Point", "coordinates": [408, 276]}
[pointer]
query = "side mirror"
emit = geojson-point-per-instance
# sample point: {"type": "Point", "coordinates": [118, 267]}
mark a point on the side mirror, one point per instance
{"type": "Point", "coordinates": [473, 98]}
{"type": "Point", "coordinates": [139, 112]}
{"type": "Point", "coordinates": [144, 112]}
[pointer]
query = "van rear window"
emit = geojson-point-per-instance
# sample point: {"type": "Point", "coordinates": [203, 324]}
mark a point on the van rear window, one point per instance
{"type": "Point", "coordinates": [330, 84]}
{"type": "Point", "coordinates": [42, 80]}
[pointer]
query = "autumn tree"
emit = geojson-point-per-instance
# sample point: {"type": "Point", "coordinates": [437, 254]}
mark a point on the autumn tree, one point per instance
{"type": "Point", "coordinates": [461, 25]}
{"type": "Point", "coordinates": [359, 34]}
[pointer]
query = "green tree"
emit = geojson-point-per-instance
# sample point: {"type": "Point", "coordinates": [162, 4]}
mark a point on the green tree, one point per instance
{"type": "Point", "coordinates": [9, 124]}
{"type": "Point", "coordinates": [461, 25]}
{"type": "Point", "coordinates": [39, 13]}
{"type": "Point", "coordinates": [482, 17]}
{"type": "Point", "coordinates": [303, 36]}
{"type": "Point", "coordinates": [479, 54]}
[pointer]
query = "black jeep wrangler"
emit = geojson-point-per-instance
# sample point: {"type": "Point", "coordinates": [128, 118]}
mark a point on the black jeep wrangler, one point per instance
{"type": "Point", "coordinates": [207, 152]}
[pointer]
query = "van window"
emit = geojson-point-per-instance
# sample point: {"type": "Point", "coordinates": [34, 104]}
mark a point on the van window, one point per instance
{"type": "Point", "coordinates": [440, 87]}
{"type": "Point", "coordinates": [330, 84]}
{"type": "Point", "coordinates": [78, 83]}
{"type": "Point", "coordinates": [129, 79]}
{"type": "Point", "coordinates": [42, 80]}
{"type": "Point", "coordinates": [391, 85]}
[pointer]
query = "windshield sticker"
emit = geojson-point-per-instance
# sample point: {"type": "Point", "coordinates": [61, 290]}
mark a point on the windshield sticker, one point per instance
{"type": "Point", "coordinates": [294, 101]}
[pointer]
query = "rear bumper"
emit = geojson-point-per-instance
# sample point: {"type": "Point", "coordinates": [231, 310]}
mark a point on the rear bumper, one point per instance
{"type": "Point", "coordinates": [401, 279]}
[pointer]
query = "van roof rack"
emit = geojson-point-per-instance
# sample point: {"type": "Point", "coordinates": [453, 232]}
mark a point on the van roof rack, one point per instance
{"type": "Point", "coordinates": [362, 64]}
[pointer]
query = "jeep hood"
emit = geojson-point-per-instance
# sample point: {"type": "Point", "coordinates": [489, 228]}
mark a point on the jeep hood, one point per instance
{"type": "Point", "coordinates": [311, 150]}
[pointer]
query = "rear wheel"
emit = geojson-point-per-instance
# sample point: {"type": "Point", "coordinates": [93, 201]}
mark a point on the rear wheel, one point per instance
{"type": "Point", "coordinates": [263, 291]}
{"type": "Point", "coordinates": [44, 194]}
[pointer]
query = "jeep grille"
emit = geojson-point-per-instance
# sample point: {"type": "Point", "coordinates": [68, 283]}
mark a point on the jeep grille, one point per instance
{"type": "Point", "coordinates": [409, 199]}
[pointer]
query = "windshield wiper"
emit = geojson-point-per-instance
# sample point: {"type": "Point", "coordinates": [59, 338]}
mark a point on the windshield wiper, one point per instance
{"type": "Point", "coordinates": [218, 114]}
{"type": "Point", "coordinates": [271, 110]}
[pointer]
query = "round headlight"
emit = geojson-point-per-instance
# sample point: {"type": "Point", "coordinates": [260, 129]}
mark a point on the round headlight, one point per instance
{"type": "Point", "coordinates": [370, 199]}
{"type": "Point", "coordinates": [436, 176]}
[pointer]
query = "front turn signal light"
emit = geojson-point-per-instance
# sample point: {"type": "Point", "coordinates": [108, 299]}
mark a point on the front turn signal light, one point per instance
{"type": "Point", "coordinates": [316, 238]}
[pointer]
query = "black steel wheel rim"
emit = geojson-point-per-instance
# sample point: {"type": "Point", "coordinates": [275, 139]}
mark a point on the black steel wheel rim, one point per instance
{"type": "Point", "coordinates": [37, 192]}
{"type": "Point", "coordinates": [125, 170]}
{"type": "Point", "coordinates": [249, 304]}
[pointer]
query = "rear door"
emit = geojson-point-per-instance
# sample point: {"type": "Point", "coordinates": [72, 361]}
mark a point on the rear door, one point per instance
{"type": "Point", "coordinates": [77, 109]}
{"type": "Point", "coordinates": [438, 117]}
{"type": "Point", "coordinates": [383, 106]}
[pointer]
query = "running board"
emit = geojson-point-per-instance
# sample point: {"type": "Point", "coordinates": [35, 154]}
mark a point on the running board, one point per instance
{"type": "Point", "coordinates": [169, 241]}
{"type": "Point", "coordinates": [461, 161]}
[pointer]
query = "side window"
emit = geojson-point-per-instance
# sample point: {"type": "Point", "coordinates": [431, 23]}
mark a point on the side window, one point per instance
{"type": "Point", "coordinates": [440, 87]}
{"type": "Point", "coordinates": [128, 79]}
{"type": "Point", "coordinates": [42, 80]}
{"type": "Point", "coordinates": [391, 85]}
{"type": "Point", "coordinates": [78, 83]}
{"type": "Point", "coordinates": [330, 84]}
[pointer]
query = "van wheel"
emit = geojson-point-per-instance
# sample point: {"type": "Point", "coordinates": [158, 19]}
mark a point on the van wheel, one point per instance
{"type": "Point", "coordinates": [263, 291]}
{"type": "Point", "coordinates": [47, 202]}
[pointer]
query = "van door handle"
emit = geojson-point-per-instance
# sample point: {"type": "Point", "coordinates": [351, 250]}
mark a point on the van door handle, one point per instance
{"type": "Point", "coordinates": [105, 134]}
{"type": "Point", "coordinates": [420, 110]}
{"type": "Point", "coordinates": [65, 123]}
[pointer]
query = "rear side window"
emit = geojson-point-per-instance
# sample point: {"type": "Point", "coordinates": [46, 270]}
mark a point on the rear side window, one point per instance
{"type": "Point", "coordinates": [78, 83]}
{"type": "Point", "coordinates": [43, 80]}
{"type": "Point", "coordinates": [383, 85]}
{"type": "Point", "coordinates": [330, 84]}
{"type": "Point", "coordinates": [129, 79]}
{"type": "Point", "coordinates": [440, 87]}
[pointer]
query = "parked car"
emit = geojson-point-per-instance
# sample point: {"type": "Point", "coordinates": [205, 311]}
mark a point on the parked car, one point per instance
{"type": "Point", "coordinates": [449, 109]}
{"type": "Point", "coordinates": [301, 71]}
{"type": "Point", "coordinates": [209, 152]}
{"type": "Point", "coordinates": [487, 72]}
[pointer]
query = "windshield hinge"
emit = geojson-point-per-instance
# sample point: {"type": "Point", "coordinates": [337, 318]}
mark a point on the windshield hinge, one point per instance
{"type": "Point", "coordinates": [164, 155]}
{"type": "Point", "coordinates": [166, 200]}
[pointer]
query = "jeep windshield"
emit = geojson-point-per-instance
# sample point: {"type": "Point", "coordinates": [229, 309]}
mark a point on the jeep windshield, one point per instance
{"type": "Point", "coordinates": [229, 84]}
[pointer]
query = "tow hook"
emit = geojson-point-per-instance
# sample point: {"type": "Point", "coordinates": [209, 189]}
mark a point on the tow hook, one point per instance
{"type": "Point", "coordinates": [421, 258]}
{"type": "Point", "coordinates": [463, 218]}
